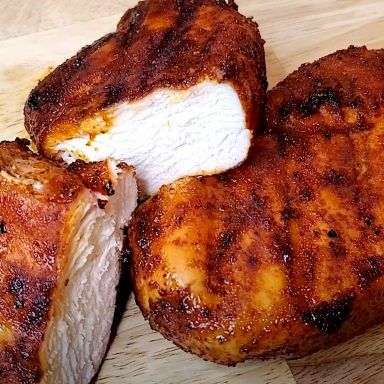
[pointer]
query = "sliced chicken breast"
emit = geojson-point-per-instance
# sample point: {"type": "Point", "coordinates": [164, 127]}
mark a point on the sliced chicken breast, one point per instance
{"type": "Point", "coordinates": [178, 90]}
{"type": "Point", "coordinates": [60, 244]}
{"type": "Point", "coordinates": [285, 254]}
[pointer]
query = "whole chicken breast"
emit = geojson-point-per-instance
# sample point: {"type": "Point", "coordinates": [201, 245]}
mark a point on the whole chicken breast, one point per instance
{"type": "Point", "coordinates": [177, 90]}
{"type": "Point", "coordinates": [285, 254]}
{"type": "Point", "coordinates": [60, 243]}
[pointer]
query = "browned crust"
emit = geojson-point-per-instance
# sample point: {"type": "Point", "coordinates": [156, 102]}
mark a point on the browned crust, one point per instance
{"type": "Point", "coordinates": [159, 43]}
{"type": "Point", "coordinates": [308, 203]}
{"type": "Point", "coordinates": [348, 79]}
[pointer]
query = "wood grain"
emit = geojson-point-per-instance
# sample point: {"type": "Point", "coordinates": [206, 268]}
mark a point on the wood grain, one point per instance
{"type": "Point", "coordinates": [37, 35]}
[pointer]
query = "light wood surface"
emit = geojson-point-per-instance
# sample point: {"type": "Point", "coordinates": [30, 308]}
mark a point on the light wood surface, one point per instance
{"type": "Point", "coordinates": [35, 35]}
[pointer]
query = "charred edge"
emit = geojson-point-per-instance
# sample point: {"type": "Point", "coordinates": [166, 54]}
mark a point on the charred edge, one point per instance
{"type": "Point", "coordinates": [312, 104]}
{"type": "Point", "coordinates": [228, 3]}
{"type": "Point", "coordinates": [329, 317]}
{"type": "Point", "coordinates": [37, 100]}
{"type": "Point", "coordinates": [79, 63]}
{"type": "Point", "coordinates": [24, 143]}
{"type": "Point", "coordinates": [225, 179]}
{"type": "Point", "coordinates": [3, 227]}
{"type": "Point", "coordinates": [34, 100]}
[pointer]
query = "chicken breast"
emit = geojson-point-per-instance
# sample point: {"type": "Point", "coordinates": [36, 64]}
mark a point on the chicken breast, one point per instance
{"type": "Point", "coordinates": [178, 90]}
{"type": "Point", "coordinates": [60, 241]}
{"type": "Point", "coordinates": [285, 254]}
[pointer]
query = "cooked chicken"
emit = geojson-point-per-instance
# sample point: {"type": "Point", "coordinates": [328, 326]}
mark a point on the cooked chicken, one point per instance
{"type": "Point", "coordinates": [59, 264]}
{"type": "Point", "coordinates": [285, 254]}
{"type": "Point", "coordinates": [176, 91]}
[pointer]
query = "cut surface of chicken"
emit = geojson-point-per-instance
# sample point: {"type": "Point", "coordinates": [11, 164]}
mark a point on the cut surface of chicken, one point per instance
{"type": "Point", "coordinates": [60, 245]}
{"type": "Point", "coordinates": [200, 130]}
{"type": "Point", "coordinates": [83, 311]}
{"type": "Point", "coordinates": [283, 255]}
{"type": "Point", "coordinates": [177, 90]}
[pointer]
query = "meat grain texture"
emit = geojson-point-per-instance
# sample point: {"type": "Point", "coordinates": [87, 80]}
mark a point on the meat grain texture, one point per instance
{"type": "Point", "coordinates": [60, 243]}
{"type": "Point", "coordinates": [177, 90]}
{"type": "Point", "coordinates": [282, 256]}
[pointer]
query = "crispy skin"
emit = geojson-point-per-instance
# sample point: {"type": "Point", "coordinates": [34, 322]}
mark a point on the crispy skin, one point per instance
{"type": "Point", "coordinates": [283, 255]}
{"type": "Point", "coordinates": [158, 44]}
{"type": "Point", "coordinates": [34, 231]}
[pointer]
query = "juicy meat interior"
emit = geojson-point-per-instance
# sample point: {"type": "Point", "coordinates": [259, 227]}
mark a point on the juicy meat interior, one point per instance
{"type": "Point", "coordinates": [177, 90]}
{"type": "Point", "coordinates": [60, 264]}
{"type": "Point", "coordinates": [283, 255]}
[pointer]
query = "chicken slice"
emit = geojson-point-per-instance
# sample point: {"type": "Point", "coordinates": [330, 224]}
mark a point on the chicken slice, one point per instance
{"type": "Point", "coordinates": [60, 244]}
{"type": "Point", "coordinates": [283, 255]}
{"type": "Point", "coordinates": [178, 90]}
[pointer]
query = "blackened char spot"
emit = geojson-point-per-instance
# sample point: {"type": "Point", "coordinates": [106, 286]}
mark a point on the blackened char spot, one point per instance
{"type": "Point", "coordinates": [289, 213]}
{"type": "Point", "coordinates": [327, 135]}
{"type": "Point", "coordinates": [368, 220]}
{"type": "Point", "coordinates": [253, 261]}
{"type": "Point", "coordinates": [317, 99]}
{"type": "Point", "coordinates": [38, 311]}
{"type": "Point", "coordinates": [16, 286]}
{"type": "Point", "coordinates": [228, 3]}
{"type": "Point", "coordinates": [79, 63]}
{"type": "Point", "coordinates": [328, 317]}
{"type": "Point", "coordinates": [206, 313]}
{"type": "Point", "coordinates": [127, 254]}
{"type": "Point", "coordinates": [285, 109]}
{"type": "Point", "coordinates": [335, 177]}
{"type": "Point", "coordinates": [33, 101]}
{"type": "Point", "coordinates": [306, 195]}
{"type": "Point", "coordinates": [113, 93]}
{"type": "Point", "coordinates": [224, 179]}
{"type": "Point", "coordinates": [311, 104]}
{"type": "Point", "coordinates": [19, 303]}
{"type": "Point", "coordinates": [3, 227]}
{"type": "Point", "coordinates": [226, 240]}
{"type": "Point", "coordinates": [369, 272]}
{"type": "Point", "coordinates": [24, 355]}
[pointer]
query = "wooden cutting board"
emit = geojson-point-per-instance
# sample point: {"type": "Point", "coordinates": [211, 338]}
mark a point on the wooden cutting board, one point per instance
{"type": "Point", "coordinates": [37, 35]}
